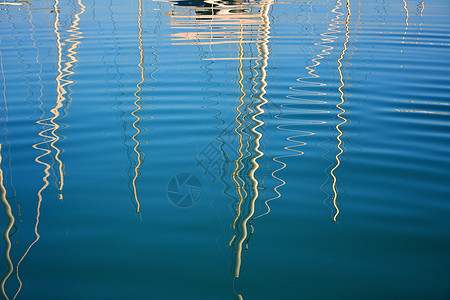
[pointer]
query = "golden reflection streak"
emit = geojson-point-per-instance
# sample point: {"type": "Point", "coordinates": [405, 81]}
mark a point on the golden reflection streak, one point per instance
{"type": "Point", "coordinates": [264, 57]}
{"type": "Point", "coordinates": [326, 38]}
{"type": "Point", "coordinates": [37, 159]}
{"type": "Point", "coordinates": [14, 3]}
{"type": "Point", "coordinates": [63, 77]}
{"type": "Point", "coordinates": [138, 108]}
{"type": "Point", "coordinates": [74, 35]}
{"type": "Point", "coordinates": [407, 12]}
{"type": "Point", "coordinates": [11, 220]}
{"type": "Point", "coordinates": [5, 202]}
{"type": "Point", "coordinates": [423, 7]}
{"type": "Point", "coordinates": [238, 162]}
{"type": "Point", "coordinates": [59, 100]}
{"type": "Point", "coordinates": [340, 115]}
{"type": "Point", "coordinates": [263, 51]}
{"type": "Point", "coordinates": [39, 194]}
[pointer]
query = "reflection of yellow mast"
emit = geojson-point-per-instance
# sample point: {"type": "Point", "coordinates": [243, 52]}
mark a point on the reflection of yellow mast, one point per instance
{"type": "Point", "coordinates": [238, 162]}
{"type": "Point", "coordinates": [60, 97]}
{"type": "Point", "coordinates": [327, 38]}
{"type": "Point", "coordinates": [405, 6]}
{"type": "Point", "coordinates": [37, 146]}
{"type": "Point", "coordinates": [11, 220]}
{"type": "Point", "coordinates": [62, 80]}
{"type": "Point", "coordinates": [75, 35]}
{"type": "Point", "coordinates": [340, 115]}
{"type": "Point", "coordinates": [138, 108]}
{"type": "Point", "coordinates": [4, 201]}
{"type": "Point", "coordinates": [263, 56]}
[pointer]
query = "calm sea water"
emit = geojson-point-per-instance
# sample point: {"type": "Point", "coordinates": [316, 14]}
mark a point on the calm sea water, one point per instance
{"type": "Point", "coordinates": [225, 149]}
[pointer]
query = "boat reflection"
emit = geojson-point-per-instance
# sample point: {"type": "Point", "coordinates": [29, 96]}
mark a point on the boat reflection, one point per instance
{"type": "Point", "coordinates": [211, 22]}
{"type": "Point", "coordinates": [246, 24]}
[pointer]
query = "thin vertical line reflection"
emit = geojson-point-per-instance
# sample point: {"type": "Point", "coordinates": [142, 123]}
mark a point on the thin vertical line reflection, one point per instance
{"type": "Point", "coordinates": [75, 34]}
{"type": "Point", "coordinates": [326, 39]}
{"type": "Point", "coordinates": [263, 56]}
{"type": "Point", "coordinates": [11, 221]}
{"type": "Point", "coordinates": [405, 6]}
{"type": "Point", "coordinates": [4, 201]}
{"type": "Point", "coordinates": [37, 146]}
{"type": "Point", "coordinates": [59, 100]}
{"type": "Point", "coordinates": [340, 114]}
{"type": "Point", "coordinates": [138, 108]}
{"type": "Point", "coordinates": [238, 162]}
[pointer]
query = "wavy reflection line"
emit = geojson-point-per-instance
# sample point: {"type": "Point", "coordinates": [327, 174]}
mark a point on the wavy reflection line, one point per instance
{"type": "Point", "coordinates": [327, 38]}
{"type": "Point", "coordinates": [340, 115]}
{"type": "Point", "coordinates": [59, 99]}
{"type": "Point", "coordinates": [74, 35]}
{"type": "Point", "coordinates": [11, 221]}
{"type": "Point", "coordinates": [38, 214]}
{"type": "Point", "coordinates": [138, 108]}
{"type": "Point", "coordinates": [238, 161]}
{"type": "Point", "coordinates": [405, 6]}
{"type": "Point", "coordinates": [263, 55]}
{"type": "Point", "coordinates": [8, 154]}
{"type": "Point", "coordinates": [38, 147]}
{"type": "Point", "coordinates": [8, 210]}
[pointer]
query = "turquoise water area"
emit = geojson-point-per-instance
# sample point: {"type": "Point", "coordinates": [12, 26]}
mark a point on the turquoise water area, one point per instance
{"type": "Point", "coordinates": [210, 149]}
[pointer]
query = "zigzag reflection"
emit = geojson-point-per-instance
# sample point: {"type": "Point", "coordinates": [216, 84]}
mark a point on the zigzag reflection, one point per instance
{"type": "Point", "coordinates": [4, 200]}
{"type": "Point", "coordinates": [340, 114]}
{"type": "Point", "coordinates": [138, 105]}
{"type": "Point", "coordinates": [49, 126]}
{"type": "Point", "coordinates": [244, 24]}
{"type": "Point", "coordinates": [6, 234]}
{"type": "Point", "coordinates": [37, 146]}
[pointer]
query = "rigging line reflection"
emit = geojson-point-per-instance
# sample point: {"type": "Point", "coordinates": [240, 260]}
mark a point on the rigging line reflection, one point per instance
{"type": "Point", "coordinates": [120, 105]}
{"type": "Point", "coordinates": [59, 99]}
{"type": "Point", "coordinates": [7, 144]}
{"type": "Point", "coordinates": [337, 22]}
{"type": "Point", "coordinates": [74, 35]}
{"type": "Point", "coordinates": [137, 103]}
{"type": "Point", "coordinates": [65, 82]}
{"type": "Point", "coordinates": [238, 162]}
{"type": "Point", "coordinates": [254, 123]}
{"type": "Point", "coordinates": [44, 151]}
{"type": "Point", "coordinates": [405, 6]}
{"type": "Point", "coordinates": [327, 38]}
{"type": "Point", "coordinates": [3, 199]}
{"type": "Point", "coordinates": [341, 113]}
{"type": "Point", "coordinates": [263, 54]}
{"type": "Point", "coordinates": [212, 103]}
{"type": "Point", "coordinates": [11, 221]}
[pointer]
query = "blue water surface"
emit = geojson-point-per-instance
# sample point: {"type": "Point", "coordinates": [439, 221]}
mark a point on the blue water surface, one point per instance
{"type": "Point", "coordinates": [210, 149]}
